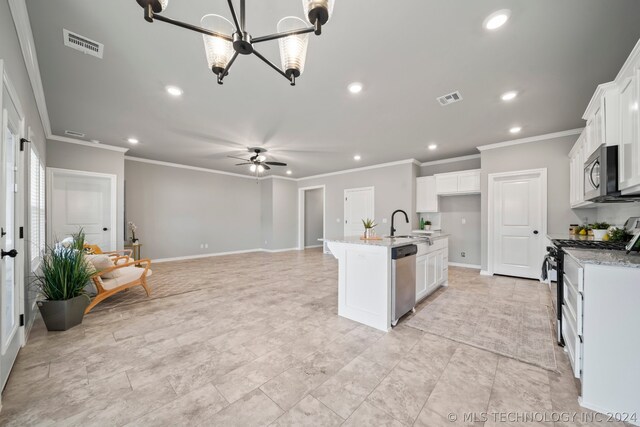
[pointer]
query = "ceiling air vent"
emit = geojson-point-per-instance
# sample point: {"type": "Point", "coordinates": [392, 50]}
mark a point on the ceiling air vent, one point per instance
{"type": "Point", "coordinates": [83, 44]}
{"type": "Point", "coordinates": [74, 133]}
{"type": "Point", "coordinates": [450, 98]}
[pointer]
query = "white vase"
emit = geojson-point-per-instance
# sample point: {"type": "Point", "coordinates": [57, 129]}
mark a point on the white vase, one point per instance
{"type": "Point", "coordinates": [599, 234]}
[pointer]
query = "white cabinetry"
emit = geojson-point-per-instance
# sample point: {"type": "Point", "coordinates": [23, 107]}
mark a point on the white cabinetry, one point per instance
{"type": "Point", "coordinates": [426, 196]}
{"type": "Point", "coordinates": [432, 269]}
{"type": "Point", "coordinates": [454, 183]}
{"type": "Point", "coordinates": [629, 148]}
{"type": "Point", "coordinates": [576, 172]}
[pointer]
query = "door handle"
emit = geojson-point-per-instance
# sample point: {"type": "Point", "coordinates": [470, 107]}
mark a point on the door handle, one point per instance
{"type": "Point", "coordinates": [535, 231]}
{"type": "Point", "coordinates": [12, 253]}
{"type": "Point", "coordinates": [2, 232]}
{"type": "Point", "coordinates": [104, 229]}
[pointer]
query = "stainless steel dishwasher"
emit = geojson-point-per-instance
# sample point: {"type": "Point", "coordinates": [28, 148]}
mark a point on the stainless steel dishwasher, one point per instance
{"type": "Point", "coordinates": [403, 281]}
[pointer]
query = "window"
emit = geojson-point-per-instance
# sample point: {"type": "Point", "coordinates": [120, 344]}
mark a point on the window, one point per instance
{"type": "Point", "coordinates": [37, 208]}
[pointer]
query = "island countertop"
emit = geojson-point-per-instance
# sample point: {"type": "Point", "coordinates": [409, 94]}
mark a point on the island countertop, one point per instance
{"type": "Point", "coordinates": [604, 257]}
{"type": "Point", "coordinates": [389, 242]}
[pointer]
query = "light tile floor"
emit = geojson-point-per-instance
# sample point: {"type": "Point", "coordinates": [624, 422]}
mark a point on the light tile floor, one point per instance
{"type": "Point", "coordinates": [263, 345]}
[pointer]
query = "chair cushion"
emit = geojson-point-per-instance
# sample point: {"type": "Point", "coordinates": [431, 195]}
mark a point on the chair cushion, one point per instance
{"type": "Point", "coordinates": [102, 262]}
{"type": "Point", "coordinates": [127, 275]}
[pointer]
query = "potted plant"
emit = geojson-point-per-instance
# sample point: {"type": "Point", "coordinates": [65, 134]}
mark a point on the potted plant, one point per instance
{"type": "Point", "coordinates": [369, 225]}
{"type": "Point", "coordinates": [133, 228]}
{"type": "Point", "coordinates": [61, 281]}
{"type": "Point", "coordinates": [427, 225]}
{"type": "Point", "coordinates": [600, 229]}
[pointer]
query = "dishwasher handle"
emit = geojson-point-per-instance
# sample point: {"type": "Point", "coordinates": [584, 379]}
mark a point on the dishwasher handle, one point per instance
{"type": "Point", "coordinates": [403, 251]}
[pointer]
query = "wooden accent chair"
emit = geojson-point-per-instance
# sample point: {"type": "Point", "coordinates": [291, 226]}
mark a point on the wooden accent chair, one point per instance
{"type": "Point", "coordinates": [121, 276]}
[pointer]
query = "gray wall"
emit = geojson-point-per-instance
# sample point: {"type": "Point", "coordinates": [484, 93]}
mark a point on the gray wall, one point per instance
{"type": "Point", "coordinates": [394, 189]}
{"type": "Point", "coordinates": [464, 237]}
{"type": "Point", "coordinates": [176, 210]}
{"type": "Point", "coordinates": [551, 154]}
{"type": "Point", "coordinates": [285, 214]}
{"type": "Point", "coordinates": [64, 155]}
{"type": "Point", "coordinates": [16, 70]}
{"type": "Point", "coordinates": [313, 217]}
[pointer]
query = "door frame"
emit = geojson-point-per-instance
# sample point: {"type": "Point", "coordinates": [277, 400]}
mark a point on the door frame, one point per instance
{"type": "Point", "coordinates": [491, 180]}
{"type": "Point", "coordinates": [301, 225]}
{"type": "Point", "coordinates": [344, 209]}
{"type": "Point", "coordinates": [51, 174]}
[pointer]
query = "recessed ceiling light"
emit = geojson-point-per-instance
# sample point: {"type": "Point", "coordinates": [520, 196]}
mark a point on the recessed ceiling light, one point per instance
{"type": "Point", "coordinates": [497, 19]}
{"type": "Point", "coordinates": [132, 140]}
{"type": "Point", "coordinates": [95, 141]}
{"type": "Point", "coordinates": [357, 157]}
{"type": "Point", "coordinates": [432, 146]}
{"type": "Point", "coordinates": [174, 90]}
{"type": "Point", "coordinates": [515, 129]}
{"type": "Point", "coordinates": [508, 96]}
{"type": "Point", "coordinates": [355, 87]}
{"type": "Point", "coordinates": [289, 172]}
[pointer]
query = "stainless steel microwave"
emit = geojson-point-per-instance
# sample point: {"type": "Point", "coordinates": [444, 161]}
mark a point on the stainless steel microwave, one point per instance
{"type": "Point", "coordinates": [601, 177]}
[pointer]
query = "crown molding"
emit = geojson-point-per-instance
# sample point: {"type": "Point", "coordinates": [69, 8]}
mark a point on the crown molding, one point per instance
{"type": "Point", "coordinates": [594, 103]}
{"type": "Point", "coordinates": [86, 144]}
{"type": "Point", "coordinates": [451, 160]}
{"type": "Point", "coordinates": [530, 139]}
{"type": "Point", "coordinates": [627, 68]}
{"type": "Point", "coordinates": [193, 168]}
{"type": "Point", "coordinates": [28, 47]}
{"type": "Point", "coordinates": [364, 168]}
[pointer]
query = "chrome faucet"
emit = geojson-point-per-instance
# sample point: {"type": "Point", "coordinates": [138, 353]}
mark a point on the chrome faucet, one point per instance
{"type": "Point", "coordinates": [393, 230]}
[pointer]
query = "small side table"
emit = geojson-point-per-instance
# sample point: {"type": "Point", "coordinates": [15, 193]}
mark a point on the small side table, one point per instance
{"type": "Point", "coordinates": [135, 247]}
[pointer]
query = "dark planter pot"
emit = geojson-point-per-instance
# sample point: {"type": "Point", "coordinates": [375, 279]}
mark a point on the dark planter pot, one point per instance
{"type": "Point", "coordinates": [63, 315]}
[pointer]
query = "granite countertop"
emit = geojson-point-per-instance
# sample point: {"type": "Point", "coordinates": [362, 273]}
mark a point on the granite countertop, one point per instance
{"type": "Point", "coordinates": [569, 237]}
{"type": "Point", "coordinates": [389, 242]}
{"type": "Point", "coordinates": [604, 257]}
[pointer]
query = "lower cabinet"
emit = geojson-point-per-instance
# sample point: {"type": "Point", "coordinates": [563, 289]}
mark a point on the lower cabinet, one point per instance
{"type": "Point", "coordinates": [431, 268]}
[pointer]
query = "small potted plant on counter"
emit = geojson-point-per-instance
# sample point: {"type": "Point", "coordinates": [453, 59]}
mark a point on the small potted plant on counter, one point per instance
{"type": "Point", "coordinates": [369, 225]}
{"type": "Point", "coordinates": [62, 278]}
{"type": "Point", "coordinates": [600, 229]}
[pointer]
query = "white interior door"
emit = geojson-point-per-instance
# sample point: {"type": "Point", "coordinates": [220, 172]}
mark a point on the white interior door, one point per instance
{"type": "Point", "coordinates": [82, 200]}
{"type": "Point", "coordinates": [11, 292]}
{"type": "Point", "coordinates": [517, 209]}
{"type": "Point", "coordinates": [358, 205]}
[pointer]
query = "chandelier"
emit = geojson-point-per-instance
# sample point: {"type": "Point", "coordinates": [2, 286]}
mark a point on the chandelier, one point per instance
{"type": "Point", "coordinates": [224, 41]}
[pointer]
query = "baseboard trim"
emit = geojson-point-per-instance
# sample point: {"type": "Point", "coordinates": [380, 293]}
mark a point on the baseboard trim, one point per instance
{"type": "Point", "coordinates": [273, 251]}
{"type": "Point", "coordinates": [463, 265]}
{"type": "Point", "coordinates": [485, 273]}
{"type": "Point", "coordinates": [313, 246]}
{"type": "Point", "coordinates": [216, 254]}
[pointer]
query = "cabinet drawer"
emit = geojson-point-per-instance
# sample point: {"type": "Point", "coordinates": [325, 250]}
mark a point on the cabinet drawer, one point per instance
{"type": "Point", "coordinates": [572, 341]}
{"type": "Point", "coordinates": [573, 301]}
{"type": "Point", "coordinates": [574, 272]}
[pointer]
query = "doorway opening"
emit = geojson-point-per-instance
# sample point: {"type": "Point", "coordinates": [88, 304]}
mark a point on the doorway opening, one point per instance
{"type": "Point", "coordinates": [311, 217]}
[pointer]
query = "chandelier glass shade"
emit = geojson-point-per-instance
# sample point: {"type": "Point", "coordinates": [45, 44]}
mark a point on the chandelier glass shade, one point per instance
{"type": "Point", "coordinates": [224, 40]}
{"type": "Point", "coordinates": [293, 49]}
{"type": "Point", "coordinates": [219, 51]}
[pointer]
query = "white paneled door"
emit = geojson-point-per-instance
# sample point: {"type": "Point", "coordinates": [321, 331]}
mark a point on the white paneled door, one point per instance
{"type": "Point", "coordinates": [517, 216]}
{"type": "Point", "coordinates": [11, 295]}
{"type": "Point", "coordinates": [82, 200]}
{"type": "Point", "coordinates": [358, 205]}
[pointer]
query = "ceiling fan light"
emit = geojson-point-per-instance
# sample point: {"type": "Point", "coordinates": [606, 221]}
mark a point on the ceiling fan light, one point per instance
{"type": "Point", "coordinates": [320, 10]}
{"type": "Point", "coordinates": [253, 168]}
{"type": "Point", "coordinates": [218, 50]}
{"type": "Point", "coordinates": [293, 49]}
{"type": "Point", "coordinates": [260, 168]}
{"type": "Point", "coordinates": [262, 158]}
{"type": "Point", "coordinates": [156, 5]}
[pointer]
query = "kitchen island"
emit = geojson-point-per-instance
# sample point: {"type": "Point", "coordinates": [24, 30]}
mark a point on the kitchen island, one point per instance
{"type": "Point", "coordinates": [365, 275]}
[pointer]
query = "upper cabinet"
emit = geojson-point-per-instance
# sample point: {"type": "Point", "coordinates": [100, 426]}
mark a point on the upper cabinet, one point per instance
{"type": "Point", "coordinates": [428, 188]}
{"type": "Point", "coordinates": [602, 116]}
{"type": "Point", "coordinates": [629, 146]}
{"type": "Point", "coordinates": [577, 157]}
{"type": "Point", "coordinates": [455, 183]}
{"type": "Point", "coordinates": [426, 197]}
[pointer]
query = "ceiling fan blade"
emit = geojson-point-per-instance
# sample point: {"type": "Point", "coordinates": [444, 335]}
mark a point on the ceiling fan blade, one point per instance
{"type": "Point", "coordinates": [242, 164]}
{"type": "Point", "coordinates": [237, 158]}
{"type": "Point", "coordinates": [275, 163]}
{"type": "Point", "coordinates": [266, 167]}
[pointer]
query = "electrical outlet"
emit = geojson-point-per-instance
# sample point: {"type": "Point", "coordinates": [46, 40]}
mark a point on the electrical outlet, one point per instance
{"type": "Point", "coordinates": [462, 254]}
{"type": "Point", "coordinates": [201, 246]}
{"type": "Point", "coordinates": [337, 219]}
{"type": "Point", "coordinates": [384, 220]}
{"type": "Point", "coordinates": [206, 246]}
{"type": "Point", "coordinates": [464, 220]}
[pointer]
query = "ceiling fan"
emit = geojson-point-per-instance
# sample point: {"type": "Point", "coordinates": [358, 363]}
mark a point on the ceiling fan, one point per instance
{"type": "Point", "coordinates": [258, 162]}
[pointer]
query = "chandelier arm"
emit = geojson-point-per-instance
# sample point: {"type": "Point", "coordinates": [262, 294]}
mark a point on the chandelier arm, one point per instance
{"type": "Point", "coordinates": [276, 36]}
{"type": "Point", "coordinates": [226, 69]}
{"type": "Point", "coordinates": [192, 27]}
{"type": "Point", "coordinates": [271, 64]}
{"type": "Point", "coordinates": [234, 16]}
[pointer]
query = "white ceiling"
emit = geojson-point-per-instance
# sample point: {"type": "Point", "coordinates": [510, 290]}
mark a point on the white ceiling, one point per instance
{"type": "Point", "coordinates": [406, 53]}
